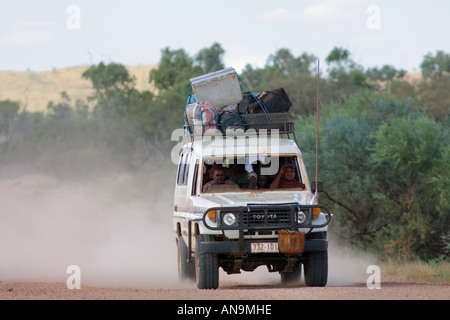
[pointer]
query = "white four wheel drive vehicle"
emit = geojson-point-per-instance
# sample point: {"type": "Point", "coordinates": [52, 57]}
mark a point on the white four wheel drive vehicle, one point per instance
{"type": "Point", "coordinates": [243, 219]}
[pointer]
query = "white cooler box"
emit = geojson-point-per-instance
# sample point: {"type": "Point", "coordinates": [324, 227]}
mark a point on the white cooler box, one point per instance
{"type": "Point", "coordinates": [220, 88]}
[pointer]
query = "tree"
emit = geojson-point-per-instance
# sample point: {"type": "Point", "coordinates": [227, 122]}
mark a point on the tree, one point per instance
{"type": "Point", "coordinates": [282, 66]}
{"type": "Point", "coordinates": [211, 59]}
{"type": "Point", "coordinates": [175, 66]}
{"type": "Point", "coordinates": [438, 64]}
{"type": "Point", "coordinates": [385, 169]}
{"type": "Point", "coordinates": [284, 63]}
{"type": "Point", "coordinates": [107, 80]}
{"type": "Point", "coordinates": [346, 73]}
{"type": "Point", "coordinates": [346, 139]}
{"type": "Point", "coordinates": [113, 86]}
{"type": "Point", "coordinates": [386, 73]}
{"type": "Point", "coordinates": [340, 58]}
{"type": "Point", "coordinates": [434, 95]}
{"type": "Point", "coordinates": [8, 112]}
{"type": "Point", "coordinates": [406, 157]}
{"type": "Point", "coordinates": [61, 110]}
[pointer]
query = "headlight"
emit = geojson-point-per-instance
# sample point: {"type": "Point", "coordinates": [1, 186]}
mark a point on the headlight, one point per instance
{"type": "Point", "coordinates": [229, 218]}
{"type": "Point", "coordinates": [301, 217]}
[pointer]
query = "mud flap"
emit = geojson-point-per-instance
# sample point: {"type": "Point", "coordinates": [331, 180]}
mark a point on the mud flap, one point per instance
{"type": "Point", "coordinates": [291, 242]}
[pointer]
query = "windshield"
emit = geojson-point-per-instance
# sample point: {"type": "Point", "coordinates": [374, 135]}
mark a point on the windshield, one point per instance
{"type": "Point", "coordinates": [251, 173]}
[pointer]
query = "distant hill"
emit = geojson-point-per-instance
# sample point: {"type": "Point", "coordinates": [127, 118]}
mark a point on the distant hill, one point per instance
{"type": "Point", "coordinates": [35, 89]}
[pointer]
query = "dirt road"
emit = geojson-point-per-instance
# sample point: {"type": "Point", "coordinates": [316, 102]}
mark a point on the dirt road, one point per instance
{"type": "Point", "coordinates": [125, 248]}
{"type": "Point", "coordinates": [227, 291]}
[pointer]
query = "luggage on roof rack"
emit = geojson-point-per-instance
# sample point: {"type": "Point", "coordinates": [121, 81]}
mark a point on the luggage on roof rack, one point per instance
{"type": "Point", "coordinates": [201, 116]}
{"type": "Point", "coordinates": [275, 101]}
{"type": "Point", "coordinates": [220, 88]}
{"type": "Point", "coordinates": [217, 106]}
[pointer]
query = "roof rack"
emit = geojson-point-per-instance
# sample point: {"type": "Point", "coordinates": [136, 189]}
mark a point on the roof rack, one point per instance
{"type": "Point", "coordinates": [200, 131]}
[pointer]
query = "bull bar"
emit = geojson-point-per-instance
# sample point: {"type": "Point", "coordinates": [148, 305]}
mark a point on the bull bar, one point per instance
{"type": "Point", "coordinates": [257, 217]}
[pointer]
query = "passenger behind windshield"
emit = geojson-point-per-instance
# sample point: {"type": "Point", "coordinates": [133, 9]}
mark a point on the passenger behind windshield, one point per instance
{"type": "Point", "coordinates": [263, 182]}
{"type": "Point", "coordinates": [286, 178]}
{"type": "Point", "coordinates": [243, 177]}
{"type": "Point", "coordinates": [218, 180]}
{"type": "Point", "coordinates": [248, 174]}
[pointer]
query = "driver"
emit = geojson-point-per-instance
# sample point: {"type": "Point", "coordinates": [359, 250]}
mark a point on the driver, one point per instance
{"type": "Point", "coordinates": [286, 178]}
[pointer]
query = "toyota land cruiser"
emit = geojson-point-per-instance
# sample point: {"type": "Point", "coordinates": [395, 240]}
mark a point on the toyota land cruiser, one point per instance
{"type": "Point", "coordinates": [245, 218]}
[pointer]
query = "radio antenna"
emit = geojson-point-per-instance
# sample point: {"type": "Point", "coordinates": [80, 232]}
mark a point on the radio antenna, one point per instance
{"type": "Point", "coordinates": [317, 129]}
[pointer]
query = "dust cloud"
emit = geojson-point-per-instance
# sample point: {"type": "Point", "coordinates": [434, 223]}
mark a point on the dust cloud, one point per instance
{"type": "Point", "coordinates": [117, 238]}
{"type": "Point", "coordinates": [346, 265]}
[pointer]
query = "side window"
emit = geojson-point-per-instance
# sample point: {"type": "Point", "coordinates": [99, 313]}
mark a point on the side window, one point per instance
{"type": "Point", "coordinates": [181, 166]}
{"type": "Point", "coordinates": [186, 168]}
{"type": "Point", "coordinates": [194, 183]}
{"type": "Point", "coordinates": [183, 169]}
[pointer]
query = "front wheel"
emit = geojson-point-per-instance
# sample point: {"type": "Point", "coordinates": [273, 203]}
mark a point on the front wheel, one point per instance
{"type": "Point", "coordinates": [206, 266]}
{"type": "Point", "coordinates": [316, 265]}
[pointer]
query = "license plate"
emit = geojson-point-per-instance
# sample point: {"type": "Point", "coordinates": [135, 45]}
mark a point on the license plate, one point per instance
{"type": "Point", "coordinates": [264, 247]}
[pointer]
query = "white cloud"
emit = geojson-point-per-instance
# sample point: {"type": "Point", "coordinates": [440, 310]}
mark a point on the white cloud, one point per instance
{"type": "Point", "coordinates": [28, 33]}
{"type": "Point", "coordinates": [30, 25]}
{"type": "Point", "coordinates": [323, 12]}
{"type": "Point", "coordinates": [326, 12]}
{"type": "Point", "coordinates": [239, 61]}
{"type": "Point", "coordinates": [279, 15]}
{"type": "Point", "coordinates": [27, 37]}
{"type": "Point", "coordinates": [369, 38]}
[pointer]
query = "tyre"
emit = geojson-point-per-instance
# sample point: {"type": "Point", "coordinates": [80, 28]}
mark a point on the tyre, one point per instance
{"type": "Point", "coordinates": [206, 266]}
{"type": "Point", "coordinates": [316, 265]}
{"type": "Point", "coordinates": [186, 270]}
{"type": "Point", "coordinates": [292, 278]}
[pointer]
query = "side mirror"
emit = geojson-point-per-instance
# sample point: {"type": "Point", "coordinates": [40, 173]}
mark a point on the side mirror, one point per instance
{"type": "Point", "coordinates": [319, 186]}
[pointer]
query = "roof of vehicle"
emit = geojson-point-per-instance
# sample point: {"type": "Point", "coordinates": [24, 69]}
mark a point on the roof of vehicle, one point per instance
{"type": "Point", "coordinates": [242, 146]}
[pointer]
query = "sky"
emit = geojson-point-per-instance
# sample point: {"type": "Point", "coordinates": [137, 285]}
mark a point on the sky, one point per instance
{"type": "Point", "coordinates": [47, 34]}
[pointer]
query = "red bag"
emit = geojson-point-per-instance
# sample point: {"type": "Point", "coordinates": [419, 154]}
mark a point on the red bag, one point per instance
{"type": "Point", "coordinates": [202, 115]}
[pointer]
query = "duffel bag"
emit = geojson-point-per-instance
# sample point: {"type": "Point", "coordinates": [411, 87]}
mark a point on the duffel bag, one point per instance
{"type": "Point", "coordinates": [201, 115]}
{"type": "Point", "coordinates": [229, 118]}
{"type": "Point", "coordinates": [275, 101]}
{"type": "Point", "coordinates": [193, 114]}
{"type": "Point", "coordinates": [209, 116]}
{"type": "Point", "coordinates": [247, 99]}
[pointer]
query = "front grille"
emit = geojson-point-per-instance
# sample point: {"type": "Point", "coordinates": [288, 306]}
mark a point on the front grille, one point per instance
{"type": "Point", "coordinates": [259, 216]}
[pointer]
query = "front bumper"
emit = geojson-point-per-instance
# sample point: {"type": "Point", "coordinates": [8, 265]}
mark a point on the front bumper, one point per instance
{"type": "Point", "coordinates": [238, 247]}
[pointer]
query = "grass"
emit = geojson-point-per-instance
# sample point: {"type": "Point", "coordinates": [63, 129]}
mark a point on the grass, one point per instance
{"type": "Point", "coordinates": [416, 271]}
{"type": "Point", "coordinates": [34, 90]}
